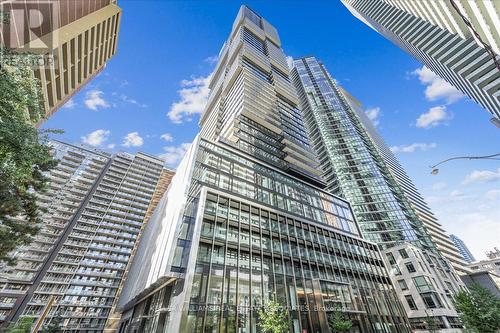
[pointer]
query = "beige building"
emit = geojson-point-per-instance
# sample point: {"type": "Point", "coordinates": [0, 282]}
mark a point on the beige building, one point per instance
{"type": "Point", "coordinates": [79, 35]}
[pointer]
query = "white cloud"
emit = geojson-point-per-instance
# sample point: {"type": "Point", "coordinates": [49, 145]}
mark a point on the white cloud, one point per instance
{"type": "Point", "coordinates": [439, 186]}
{"type": "Point", "coordinates": [493, 195]}
{"type": "Point", "coordinates": [172, 155]}
{"type": "Point", "coordinates": [468, 213]}
{"type": "Point", "coordinates": [127, 99]}
{"type": "Point", "coordinates": [374, 115]}
{"type": "Point", "coordinates": [167, 137]}
{"type": "Point", "coordinates": [289, 62]}
{"type": "Point", "coordinates": [193, 98]}
{"type": "Point", "coordinates": [451, 197]}
{"type": "Point", "coordinates": [111, 146]}
{"type": "Point", "coordinates": [94, 100]}
{"type": "Point", "coordinates": [413, 147]}
{"type": "Point", "coordinates": [212, 59]}
{"type": "Point", "coordinates": [96, 138]}
{"type": "Point", "coordinates": [437, 88]}
{"type": "Point", "coordinates": [482, 176]}
{"type": "Point", "coordinates": [434, 117]}
{"type": "Point", "coordinates": [132, 139]}
{"type": "Point", "coordinates": [70, 104]}
{"type": "Point", "coordinates": [478, 229]}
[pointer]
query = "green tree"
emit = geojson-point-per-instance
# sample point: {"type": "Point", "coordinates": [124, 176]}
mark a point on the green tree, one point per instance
{"type": "Point", "coordinates": [432, 324]}
{"type": "Point", "coordinates": [23, 325]}
{"type": "Point", "coordinates": [24, 157]}
{"type": "Point", "coordinates": [54, 326]}
{"type": "Point", "coordinates": [339, 322]}
{"type": "Point", "coordinates": [273, 318]}
{"type": "Point", "coordinates": [478, 309]}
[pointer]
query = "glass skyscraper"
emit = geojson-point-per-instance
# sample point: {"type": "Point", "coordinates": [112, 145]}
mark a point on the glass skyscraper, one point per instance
{"type": "Point", "coordinates": [350, 162]}
{"type": "Point", "coordinates": [438, 235]}
{"type": "Point", "coordinates": [464, 250]}
{"type": "Point", "coordinates": [355, 168]}
{"type": "Point", "coordinates": [246, 218]}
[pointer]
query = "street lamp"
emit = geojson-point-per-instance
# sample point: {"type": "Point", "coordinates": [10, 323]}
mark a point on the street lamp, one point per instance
{"type": "Point", "coordinates": [435, 170]}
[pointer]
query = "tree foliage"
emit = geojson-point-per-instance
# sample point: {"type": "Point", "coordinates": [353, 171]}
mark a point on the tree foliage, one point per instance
{"type": "Point", "coordinates": [24, 157]}
{"type": "Point", "coordinates": [273, 318]}
{"type": "Point", "coordinates": [339, 322]}
{"type": "Point", "coordinates": [23, 325]}
{"type": "Point", "coordinates": [432, 324]}
{"type": "Point", "coordinates": [54, 326]}
{"type": "Point", "coordinates": [478, 309]}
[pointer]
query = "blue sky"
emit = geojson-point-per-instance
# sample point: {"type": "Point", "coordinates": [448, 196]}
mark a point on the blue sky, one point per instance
{"type": "Point", "coordinates": [149, 97]}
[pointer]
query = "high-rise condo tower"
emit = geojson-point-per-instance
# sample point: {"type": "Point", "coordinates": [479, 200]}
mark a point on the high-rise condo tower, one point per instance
{"type": "Point", "coordinates": [246, 220]}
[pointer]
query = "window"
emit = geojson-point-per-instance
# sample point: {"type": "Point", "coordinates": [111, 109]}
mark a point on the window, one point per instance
{"type": "Point", "coordinates": [422, 283]}
{"type": "Point", "coordinates": [431, 300]}
{"type": "Point", "coordinates": [391, 259]}
{"type": "Point", "coordinates": [411, 302]}
{"type": "Point", "coordinates": [403, 253]}
{"type": "Point", "coordinates": [402, 285]}
{"type": "Point", "coordinates": [410, 267]}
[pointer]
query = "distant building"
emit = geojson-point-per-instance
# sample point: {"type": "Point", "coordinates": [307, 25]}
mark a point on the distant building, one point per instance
{"type": "Point", "coordinates": [82, 39]}
{"type": "Point", "coordinates": [95, 205]}
{"type": "Point", "coordinates": [463, 249]}
{"type": "Point", "coordinates": [436, 34]}
{"type": "Point", "coordinates": [485, 279]}
{"type": "Point", "coordinates": [492, 264]}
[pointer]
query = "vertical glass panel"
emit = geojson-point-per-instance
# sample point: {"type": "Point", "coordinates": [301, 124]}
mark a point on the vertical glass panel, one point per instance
{"type": "Point", "coordinates": [220, 232]}
{"type": "Point", "coordinates": [233, 235]}
{"type": "Point", "coordinates": [244, 237]}
{"type": "Point", "coordinates": [214, 298]}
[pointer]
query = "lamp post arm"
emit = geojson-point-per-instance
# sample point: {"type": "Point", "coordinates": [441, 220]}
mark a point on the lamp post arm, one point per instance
{"type": "Point", "coordinates": [486, 157]}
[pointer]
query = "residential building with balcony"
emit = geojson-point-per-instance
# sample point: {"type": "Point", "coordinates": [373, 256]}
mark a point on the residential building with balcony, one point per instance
{"type": "Point", "coordinates": [246, 218]}
{"type": "Point", "coordinates": [79, 36]}
{"type": "Point", "coordinates": [457, 40]}
{"type": "Point", "coordinates": [95, 209]}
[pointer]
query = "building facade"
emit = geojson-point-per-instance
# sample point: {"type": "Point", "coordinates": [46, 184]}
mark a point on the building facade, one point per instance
{"type": "Point", "coordinates": [79, 35]}
{"type": "Point", "coordinates": [351, 165]}
{"type": "Point", "coordinates": [463, 249]}
{"type": "Point", "coordinates": [245, 219]}
{"type": "Point", "coordinates": [492, 264]}
{"type": "Point", "coordinates": [435, 34]}
{"type": "Point", "coordinates": [354, 168]}
{"type": "Point", "coordinates": [96, 204]}
{"type": "Point", "coordinates": [438, 235]}
{"type": "Point", "coordinates": [486, 279]}
{"type": "Point", "coordinates": [426, 288]}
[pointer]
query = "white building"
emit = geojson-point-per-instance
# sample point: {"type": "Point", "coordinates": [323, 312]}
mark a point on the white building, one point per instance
{"type": "Point", "coordinates": [425, 286]}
